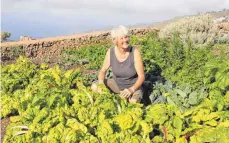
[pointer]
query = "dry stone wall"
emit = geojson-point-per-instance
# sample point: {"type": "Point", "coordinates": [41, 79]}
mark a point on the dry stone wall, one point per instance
{"type": "Point", "coordinates": [52, 47]}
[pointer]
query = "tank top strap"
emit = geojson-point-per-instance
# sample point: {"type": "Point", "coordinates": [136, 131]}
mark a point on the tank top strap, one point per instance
{"type": "Point", "coordinates": [112, 54]}
{"type": "Point", "coordinates": [132, 51]}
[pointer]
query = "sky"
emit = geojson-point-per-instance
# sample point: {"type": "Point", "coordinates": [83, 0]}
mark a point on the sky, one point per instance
{"type": "Point", "coordinates": [50, 18]}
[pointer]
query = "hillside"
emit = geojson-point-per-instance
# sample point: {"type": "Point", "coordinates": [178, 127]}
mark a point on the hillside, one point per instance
{"type": "Point", "coordinates": [214, 14]}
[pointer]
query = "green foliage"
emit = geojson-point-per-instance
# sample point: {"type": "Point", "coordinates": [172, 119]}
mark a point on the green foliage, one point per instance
{"type": "Point", "coordinates": [224, 39]}
{"type": "Point", "coordinates": [174, 61]}
{"type": "Point", "coordinates": [91, 55]}
{"type": "Point", "coordinates": [54, 106]}
{"type": "Point", "coordinates": [17, 76]}
{"type": "Point", "coordinates": [216, 75]}
{"type": "Point", "coordinates": [184, 97]}
{"type": "Point", "coordinates": [190, 102]}
{"type": "Point", "coordinates": [202, 123]}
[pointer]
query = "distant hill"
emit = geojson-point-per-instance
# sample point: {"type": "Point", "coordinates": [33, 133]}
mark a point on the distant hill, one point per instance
{"type": "Point", "coordinates": [218, 14]}
{"type": "Point", "coordinates": [161, 24]}
{"type": "Point", "coordinates": [214, 14]}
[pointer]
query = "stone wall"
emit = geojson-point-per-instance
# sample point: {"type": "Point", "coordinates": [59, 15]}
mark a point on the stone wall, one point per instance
{"type": "Point", "coordinates": [52, 47]}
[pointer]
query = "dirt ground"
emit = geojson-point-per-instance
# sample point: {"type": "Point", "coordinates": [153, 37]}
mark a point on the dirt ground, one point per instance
{"type": "Point", "coordinates": [4, 124]}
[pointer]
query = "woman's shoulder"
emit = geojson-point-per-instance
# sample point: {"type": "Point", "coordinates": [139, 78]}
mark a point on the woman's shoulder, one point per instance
{"type": "Point", "coordinates": [111, 49]}
{"type": "Point", "coordinates": [135, 49]}
{"type": "Point", "coordinates": [137, 52]}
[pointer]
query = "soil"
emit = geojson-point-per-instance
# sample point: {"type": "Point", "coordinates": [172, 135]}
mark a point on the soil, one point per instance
{"type": "Point", "coordinates": [4, 123]}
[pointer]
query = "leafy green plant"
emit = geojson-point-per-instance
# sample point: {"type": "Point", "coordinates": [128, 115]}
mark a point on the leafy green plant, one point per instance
{"type": "Point", "coordinates": [203, 123]}
{"type": "Point", "coordinates": [184, 97]}
{"type": "Point", "coordinates": [51, 105]}
{"type": "Point", "coordinates": [174, 61]}
{"type": "Point", "coordinates": [216, 75]}
{"type": "Point", "coordinates": [91, 55]}
{"type": "Point", "coordinates": [17, 76]}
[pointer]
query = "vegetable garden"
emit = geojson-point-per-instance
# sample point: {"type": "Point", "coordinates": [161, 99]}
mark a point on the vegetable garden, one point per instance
{"type": "Point", "coordinates": [186, 99]}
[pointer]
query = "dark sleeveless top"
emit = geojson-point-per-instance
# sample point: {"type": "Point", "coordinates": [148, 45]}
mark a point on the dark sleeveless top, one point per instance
{"type": "Point", "coordinates": [124, 72]}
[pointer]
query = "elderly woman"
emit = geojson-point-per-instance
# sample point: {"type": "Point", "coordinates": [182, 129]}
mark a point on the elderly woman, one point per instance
{"type": "Point", "coordinates": [127, 67]}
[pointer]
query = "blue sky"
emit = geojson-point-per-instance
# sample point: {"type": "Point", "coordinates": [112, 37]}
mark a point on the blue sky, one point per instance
{"type": "Point", "coordinates": [48, 18]}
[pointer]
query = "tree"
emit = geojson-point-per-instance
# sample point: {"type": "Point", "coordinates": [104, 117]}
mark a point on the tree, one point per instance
{"type": "Point", "coordinates": [5, 35]}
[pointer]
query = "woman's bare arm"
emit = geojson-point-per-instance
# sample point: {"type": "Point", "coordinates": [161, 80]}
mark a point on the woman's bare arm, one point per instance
{"type": "Point", "coordinates": [138, 63]}
{"type": "Point", "coordinates": [106, 65]}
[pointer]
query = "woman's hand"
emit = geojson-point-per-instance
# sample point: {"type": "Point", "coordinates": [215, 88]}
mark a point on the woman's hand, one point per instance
{"type": "Point", "coordinates": [95, 87]}
{"type": "Point", "coordinates": [126, 93]}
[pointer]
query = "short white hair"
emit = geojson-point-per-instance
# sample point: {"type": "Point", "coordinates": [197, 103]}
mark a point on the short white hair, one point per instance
{"type": "Point", "coordinates": [119, 31]}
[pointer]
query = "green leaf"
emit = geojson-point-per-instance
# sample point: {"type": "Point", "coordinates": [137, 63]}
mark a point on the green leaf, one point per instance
{"type": "Point", "coordinates": [52, 99]}
{"type": "Point", "coordinates": [195, 139]}
{"type": "Point", "coordinates": [193, 100]}
{"type": "Point", "coordinates": [158, 139]}
{"type": "Point", "coordinates": [181, 93]}
{"type": "Point", "coordinates": [188, 112]}
{"type": "Point", "coordinates": [177, 123]}
{"type": "Point", "coordinates": [170, 101]}
{"type": "Point", "coordinates": [211, 123]}
{"type": "Point", "coordinates": [224, 124]}
{"type": "Point", "coordinates": [181, 140]}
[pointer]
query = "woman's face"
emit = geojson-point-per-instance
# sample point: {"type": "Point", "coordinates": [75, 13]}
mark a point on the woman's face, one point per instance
{"type": "Point", "coordinates": [123, 42]}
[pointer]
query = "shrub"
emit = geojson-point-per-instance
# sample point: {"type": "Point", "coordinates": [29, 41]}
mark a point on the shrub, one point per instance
{"type": "Point", "coordinates": [199, 29]}
{"type": "Point", "coordinates": [5, 35]}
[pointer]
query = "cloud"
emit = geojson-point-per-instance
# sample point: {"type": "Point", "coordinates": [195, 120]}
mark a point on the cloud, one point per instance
{"type": "Point", "coordinates": [114, 9]}
{"type": "Point", "coordinates": [125, 11]}
{"type": "Point", "coordinates": [70, 16]}
{"type": "Point", "coordinates": [129, 6]}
